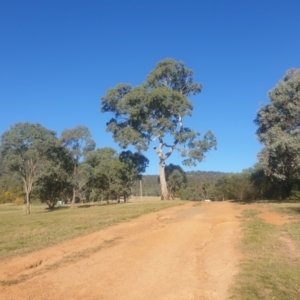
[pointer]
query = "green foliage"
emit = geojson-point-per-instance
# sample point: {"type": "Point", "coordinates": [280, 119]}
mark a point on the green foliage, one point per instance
{"type": "Point", "coordinates": [202, 185]}
{"type": "Point", "coordinates": [107, 171]}
{"type": "Point", "coordinates": [135, 164]}
{"type": "Point", "coordinates": [154, 111]}
{"type": "Point", "coordinates": [23, 148]}
{"type": "Point", "coordinates": [2, 168]}
{"type": "Point", "coordinates": [112, 175]}
{"type": "Point", "coordinates": [176, 179]}
{"type": "Point", "coordinates": [249, 185]}
{"type": "Point", "coordinates": [24, 143]}
{"type": "Point", "coordinates": [266, 187]}
{"type": "Point", "coordinates": [54, 180]}
{"type": "Point", "coordinates": [236, 186]}
{"type": "Point", "coordinates": [278, 129]}
{"type": "Point", "coordinates": [79, 142]}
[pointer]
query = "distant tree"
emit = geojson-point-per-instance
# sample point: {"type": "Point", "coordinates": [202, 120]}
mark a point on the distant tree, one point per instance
{"type": "Point", "coordinates": [279, 130]}
{"type": "Point", "coordinates": [243, 185]}
{"type": "Point", "coordinates": [23, 149]}
{"type": "Point", "coordinates": [54, 179]}
{"type": "Point", "coordinates": [107, 173]}
{"type": "Point", "coordinates": [236, 186]}
{"type": "Point", "coordinates": [176, 179]}
{"type": "Point", "coordinates": [113, 174]}
{"type": "Point", "coordinates": [154, 111]}
{"type": "Point", "coordinates": [134, 165]}
{"type": "Point", "coordinates": [79, 141]}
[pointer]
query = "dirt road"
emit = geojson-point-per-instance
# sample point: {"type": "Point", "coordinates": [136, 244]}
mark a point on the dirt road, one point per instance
{"type": "Point", "coordinates": [185, 253]}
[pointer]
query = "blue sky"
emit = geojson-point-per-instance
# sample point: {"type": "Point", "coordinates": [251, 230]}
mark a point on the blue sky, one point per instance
{"type": "Point", "coordinates": [58, 58]}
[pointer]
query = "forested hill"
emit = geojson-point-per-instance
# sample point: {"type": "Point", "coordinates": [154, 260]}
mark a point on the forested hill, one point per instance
{"type": "Point", "coordinates": [150, 183]}
{"type": "Point", "coordinates": [205, 176]}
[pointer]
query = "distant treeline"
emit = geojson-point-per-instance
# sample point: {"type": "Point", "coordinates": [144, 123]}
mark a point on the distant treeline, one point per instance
{"type": "Point", "coordinates": [251, 184]}
{"type": "Point", "coordinates": [36, 165]}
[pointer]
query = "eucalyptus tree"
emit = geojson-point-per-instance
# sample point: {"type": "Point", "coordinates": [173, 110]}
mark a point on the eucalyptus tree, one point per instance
{"type": "Point", "coordinates": [113, 174]}
{"type": "Point", "coordinates": [265, 187]}
{"type": "Point", "coordinates": [24, 147]}
{"type": "Point", "coordinates": [54, 179]}
{"type": "Point", "coordinates": [176, 179]}
{"type": "Point", "coordinates": [79, 142]}
{"type": "Point", "coordinates": [134, 165]}
{"type": "Point", "coordinates": [279, 130]}
{"type": "Point", "coordinates": [155, 112]}
{"type": "Point", "coordinates": [107, 173]}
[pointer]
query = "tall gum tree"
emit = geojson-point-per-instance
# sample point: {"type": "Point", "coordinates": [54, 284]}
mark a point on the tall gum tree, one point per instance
{"type": "Point", "coordinates": [79, 142]}
{"type": "Point", "coordinates": [24, 148]}
{"type": "Point", "coordinates": [279, 130]}
{"type": "Point", "coordinates": [154, 112]}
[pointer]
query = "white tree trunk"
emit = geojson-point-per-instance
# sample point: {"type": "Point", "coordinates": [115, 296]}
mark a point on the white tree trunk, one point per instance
{"type": "Point", "coordinates": [28, 180]}
{"type": "Point", "coordinates": [27, 203]}
{"type": "Point", "coordinates": [163, 183]}
{"type": "Point", "coordinates": [74, 196]}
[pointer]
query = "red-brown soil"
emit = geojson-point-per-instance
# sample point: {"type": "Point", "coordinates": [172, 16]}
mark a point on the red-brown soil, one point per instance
{"type": "Point", "coordinates": [274, 218]}
{"type": "Point", "coordinates": [185, 252]}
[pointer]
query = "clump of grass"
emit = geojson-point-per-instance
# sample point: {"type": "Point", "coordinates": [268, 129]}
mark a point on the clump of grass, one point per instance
{"type": "Point", "coordinates": [268, 271]}
{"type": "Point", "coordinates": [250, 213]}
{"type": "Point", "coordinates": [20, 234]}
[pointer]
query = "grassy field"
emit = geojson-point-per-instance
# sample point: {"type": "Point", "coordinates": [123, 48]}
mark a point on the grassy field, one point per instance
{"type": "Point", "coordinates": [271, 265]}
{"type": "Point", "coordinates": [20, 233]}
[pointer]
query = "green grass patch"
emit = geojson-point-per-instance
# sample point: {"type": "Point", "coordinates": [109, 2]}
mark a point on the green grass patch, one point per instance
{"type": "Point", "coordinates": [20, 233]}
{"type": "Point", "coordinates": [270, 269]}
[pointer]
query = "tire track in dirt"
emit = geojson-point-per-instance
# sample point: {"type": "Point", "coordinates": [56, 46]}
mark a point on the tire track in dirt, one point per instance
{"type": "Point", "coordinates": [186, 252]}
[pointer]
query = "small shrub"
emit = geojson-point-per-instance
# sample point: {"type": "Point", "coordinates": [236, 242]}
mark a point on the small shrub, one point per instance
{"type": "Point", "coordinates": [19, 200]}
{"type": "Point", "coordinates": [6, 197]}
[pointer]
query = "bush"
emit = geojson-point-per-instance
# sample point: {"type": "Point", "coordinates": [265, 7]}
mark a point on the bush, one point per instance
{"type": "Point", "coordinates": [6, 197]}
{"type": "Point", "coordinates": [19, 200]}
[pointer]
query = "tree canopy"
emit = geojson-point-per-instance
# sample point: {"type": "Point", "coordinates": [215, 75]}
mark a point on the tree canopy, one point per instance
{"type": "Point", "coordinates": [53, 181]}
{"type": "Point", "coordinates": [279, 130]}
{"type": "Point", "coordinates": [176, 179]}
{"type": "Point", "coordinates": [24, 147]}
{"type": "Point", "coordinates": [79, 142]}
{"type": "Point", "coordinates": [154, 112]}
{"type": "Point", "coordinates": [113, 174]}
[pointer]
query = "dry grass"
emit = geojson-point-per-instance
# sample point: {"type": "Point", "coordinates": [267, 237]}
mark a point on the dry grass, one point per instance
{"type": "Point", "coordinates": [20, 233]}
{"type": "Point", "coordinates": [271, 266]}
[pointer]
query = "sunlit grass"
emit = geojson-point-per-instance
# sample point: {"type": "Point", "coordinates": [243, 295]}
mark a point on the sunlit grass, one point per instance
{"type": "Point", "coordinates": [270, 269]}
{"type": "Point", "coordinates": [20, 233]}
